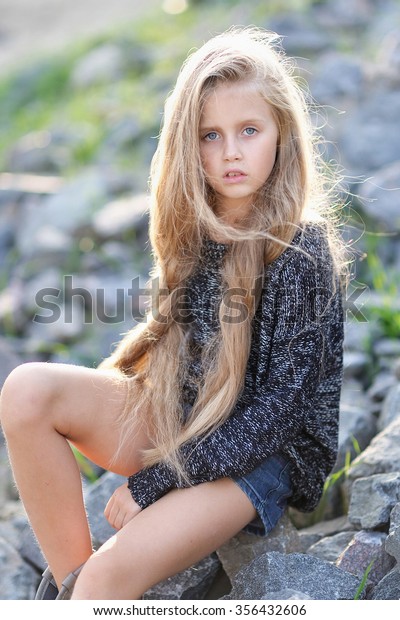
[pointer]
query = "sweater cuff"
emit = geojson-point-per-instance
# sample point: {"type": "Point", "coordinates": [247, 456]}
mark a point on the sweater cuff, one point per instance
{"type": "Point", "coordinates": [149, 484]}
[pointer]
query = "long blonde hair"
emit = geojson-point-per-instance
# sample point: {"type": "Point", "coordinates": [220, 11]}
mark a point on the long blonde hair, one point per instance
{"type": "Point", "coordinates": [152, 355]}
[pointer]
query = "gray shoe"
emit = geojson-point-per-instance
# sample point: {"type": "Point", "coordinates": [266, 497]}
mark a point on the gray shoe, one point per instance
{"type": "Point", "coordinates": [68, 585]}
{"type": "Point", "coordinates": [47, 590]}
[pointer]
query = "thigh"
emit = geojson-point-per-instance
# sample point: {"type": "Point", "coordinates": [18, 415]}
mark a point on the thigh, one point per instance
{"type": "Point", "coordinates": [85, 405]}
{"type": "Point", "coordinates": [172, 534]}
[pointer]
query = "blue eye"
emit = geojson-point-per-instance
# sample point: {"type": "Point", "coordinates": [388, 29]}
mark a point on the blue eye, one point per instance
{"type": "Point", "coordinates": [211, 137]}
{"type": "Point", "coordinates": [250, 131]}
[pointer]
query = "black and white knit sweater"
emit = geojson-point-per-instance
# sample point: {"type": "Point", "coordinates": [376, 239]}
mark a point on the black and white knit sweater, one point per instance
{"type": "Point", "coordinates": [290, 400]}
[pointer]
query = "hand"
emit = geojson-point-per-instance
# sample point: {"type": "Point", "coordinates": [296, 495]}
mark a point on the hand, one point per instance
{"type": "Point", "coordinates": [121, 507]}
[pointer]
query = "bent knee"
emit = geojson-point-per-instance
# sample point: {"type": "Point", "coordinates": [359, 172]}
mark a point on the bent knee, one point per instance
{"type": "Point", "coordinates": [102, 579]}
{"type": "Point", "coordinates": [25, 395]}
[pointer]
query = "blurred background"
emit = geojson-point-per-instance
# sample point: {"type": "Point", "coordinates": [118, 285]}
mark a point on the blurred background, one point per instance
{"type": "Point", "coordinates": [81, 95]}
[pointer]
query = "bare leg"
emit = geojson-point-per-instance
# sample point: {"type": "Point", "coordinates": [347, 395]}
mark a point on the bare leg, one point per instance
{"type": "Point", "coordinates": [42, 408]}
{"type": "Point", "coordinates": [177, 531]}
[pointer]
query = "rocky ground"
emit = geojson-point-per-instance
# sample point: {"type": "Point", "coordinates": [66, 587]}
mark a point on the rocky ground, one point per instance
{"type": "Point", "coordinates": [72, 247]}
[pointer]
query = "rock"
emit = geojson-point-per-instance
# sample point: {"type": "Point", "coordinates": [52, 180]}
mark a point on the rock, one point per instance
{"type": "Point", "coordinates": [116, 218]}
{"type": "Point", "coordinates": [381, 456]}
{"type": "Point", "coordinates": [387, 347]}
{"type": "Point", "coordinates": [274, 572]}
{"type": "Point", "coordinates": [353, 395]}
{"type": "Point", "coordinates": [340, 14]}
{"type": "Point", "coordinates": [36, 152]}
{"type": "Point", "coordinates": [18, 580]}
{"type": "Point", "coordinates": [369, 140]}
{"type": "Point", "coordinates": [357, 426]}
{"type": "Point", "coordinates": [96, 498]}
{"type": "Point", "coordinates": [366, 547]}
{"type": "Point", "coordinates": [69, 212]}
{"type": "Point", "coordinates": [312, 534]}
{"type": "Point", "coordinates": [299, 35]}
{"type": "Point", "coordinates": [62, 323]}
{"type": "Point", "coordinates": [357, 333]}
{"type": "Point", "coordinates": [356, 364]}
{"type": "Point", "coordinates": [244, 547]}
{"type": "Point", "coordinates": [191, 584]}
{"type": "Point", "coordinates": [388, 589]}
{"type": "Point", "coordinates": [382, 491]}
{"type": "Point", "coordinates": [8, 360]}
{"type": "Point", "coordinates": [103, 64]}
{"type": "Point", "coordinates": [288, 595]}
{"type": "Point", "coordinates": [24, 541]}
{"type": "Point", "coordinates": [122, 135]}
{"type": "Point", "coordinates": [380, 196]}
{"type": "Point", "coordinates": [336, 76]}
{"type": "Point", "coordinates": [331, 547]}
{"type": "Point", "coordinates": [392, 544]}
{"type": "Point", "coordinates": [40, 288]}
{"type": "Point", "coordinates": [380, 387]}
{"type": "Point", "coordinates": [390, 408]}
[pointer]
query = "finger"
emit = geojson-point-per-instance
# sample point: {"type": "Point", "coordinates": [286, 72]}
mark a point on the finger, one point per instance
{"type": "Point", "coordinates": [127, 517]}
{"type": "Point", "coordinates": [112, 516]}
{"type": "Point", "coordinates": [108, 508]}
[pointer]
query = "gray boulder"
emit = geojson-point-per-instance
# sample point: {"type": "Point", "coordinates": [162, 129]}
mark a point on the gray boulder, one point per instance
{"type": "Point", "coordinates": [357, 426]}
{"type": "Point", "coordinates": [244, 548]}
{"type": "Point", "coordinates": [370, 140]}
{"type": "Point", "coordinates": [388, 589]}
{"type": "Point", "coordinates": [331, 547]}
{"type": "Point", "coordinates": [275, 572]}
{"type": "Point", "coordinates": [372, 500]}
{"type": "Point", "coordinates": [18, 580]}
{"type": "Point", "coordinates": [390, 408]}
{"type": "Point", "coordinates": [381, 456]}
{"type": "Point", "coordinates": [66, 213]}
{"type": "Point", "coordinates": [105, 63]}
{"type": "Point", "coordinates": [366, 547]}
{"type": "Point", "coordinates": [380, 196]}
{"type": "Point", "coordinates": [392, 544]}
{"type": "Point", "coordinates": [9, 360]}
{"type": "Point", "coordinates": [190, 584]}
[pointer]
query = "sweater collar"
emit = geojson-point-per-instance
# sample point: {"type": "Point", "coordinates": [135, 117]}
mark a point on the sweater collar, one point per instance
{"type": "Point", "coordinates": [213, 251]}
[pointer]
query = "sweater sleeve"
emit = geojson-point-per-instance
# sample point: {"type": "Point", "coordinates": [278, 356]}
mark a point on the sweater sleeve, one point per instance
{"type": "Point", "coordinates": [294, 315]}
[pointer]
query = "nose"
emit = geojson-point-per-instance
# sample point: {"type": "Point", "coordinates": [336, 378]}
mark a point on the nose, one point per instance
{"type": "Point", "coordinates": [232, 150]}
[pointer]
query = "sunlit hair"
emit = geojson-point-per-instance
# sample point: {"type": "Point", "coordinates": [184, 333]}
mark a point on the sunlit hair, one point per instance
{"type": "Point", "coordinates": [152, 355]}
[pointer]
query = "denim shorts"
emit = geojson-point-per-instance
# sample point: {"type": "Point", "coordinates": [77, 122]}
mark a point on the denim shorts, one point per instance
{"type": "Point", "coordinates": [268, 487]}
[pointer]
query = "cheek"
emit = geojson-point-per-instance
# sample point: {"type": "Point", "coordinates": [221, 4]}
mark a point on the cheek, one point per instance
{"type": "Point", "coordinates": [206, 161]}
{"type": "Point", "coordinates": [271, 153]}
{"type": "Point", "coordinates": [203, 156]}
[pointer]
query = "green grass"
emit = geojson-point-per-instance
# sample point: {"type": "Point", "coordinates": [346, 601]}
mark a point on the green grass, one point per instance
{"type": "Point", "coordinates": [85, 466]}
{"type": "Point", "coordinates": [363, 582]}
{"type": "Point", "coordinates": [385, 281]}
{"type": "Point", "coordinates": [333, 480]}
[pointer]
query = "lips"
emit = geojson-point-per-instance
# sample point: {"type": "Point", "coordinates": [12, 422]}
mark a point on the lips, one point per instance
{"type": "Point", "coordinates": [234, 173]}
{"type": "Point", "coordinates": [234, 176]}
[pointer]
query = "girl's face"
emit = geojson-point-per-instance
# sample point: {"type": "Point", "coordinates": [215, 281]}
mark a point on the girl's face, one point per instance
{"type": "Point", "coordinates": [238, 142]}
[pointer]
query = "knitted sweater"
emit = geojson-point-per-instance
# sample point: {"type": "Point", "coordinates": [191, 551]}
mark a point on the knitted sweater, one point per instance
{"type": "Point", "coordinates": [290, 399]}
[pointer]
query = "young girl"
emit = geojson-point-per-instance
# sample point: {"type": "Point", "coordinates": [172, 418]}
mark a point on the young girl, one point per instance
{"type": "Point", "coordinates": [222, 406]}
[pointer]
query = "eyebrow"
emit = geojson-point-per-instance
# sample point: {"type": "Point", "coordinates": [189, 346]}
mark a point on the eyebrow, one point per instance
{"type": "Point", "coordinates": [250, 121]}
